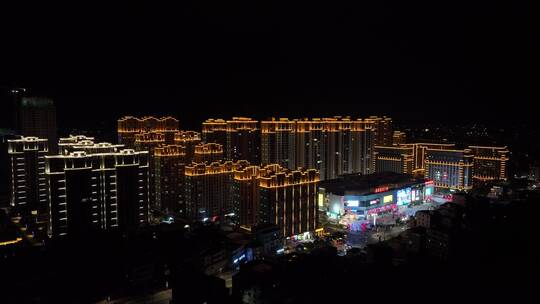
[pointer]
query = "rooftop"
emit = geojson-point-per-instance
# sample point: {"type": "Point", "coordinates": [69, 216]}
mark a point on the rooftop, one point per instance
{"type": "Point", "coordinates": [367, 183]}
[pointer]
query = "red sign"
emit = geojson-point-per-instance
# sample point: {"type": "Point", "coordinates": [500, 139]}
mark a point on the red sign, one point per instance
{"type": "Point", "coordinates": [381, 189]}
{"type": "Point", "coordinates": [382, 209]}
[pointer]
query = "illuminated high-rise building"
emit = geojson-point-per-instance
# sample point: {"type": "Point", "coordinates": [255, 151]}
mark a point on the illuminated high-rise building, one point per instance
{"type": "Point", "coordinates": [132, 188]}
{"type": "Point", "coordinates": [489, 163]}
{"type": "Point", "coordinates": [382, 129]}
{"type": "Point", "coordinates": [334, 146]}
{"type": "Point", "coordinates": [208, 188]}
{"type": "Point", "coordinates": [104, 179]}
{"type": "Point", "coordinates": [362, 147]}
{"type": "Point", "coordinates": [28, 185]}
{"type": "Point", "coordinates": [130, 126]}
{"type": "Point", "coordinates": [90, 192]}
{"type": "Point", "coordinates": [73, 139]}
{"type": "Point", "coordinates": [209, 152]}
{"type": "Point", "coordinates": [398, 159]}
{"type": "Point", "coordinates": [188, 139]}
{"type": "Point", "coordinates": [74, 209]}
{"type": "Point", "coordinates": [5, 164]}
{"type": "Point", "coordinates": [215, 131]}
{"type": "Point", "coordinates": [243, 140]}
{"type": "Point", "coordinates": [310, 148]}
{"type": "Point", "coordinates": [82, 182]}
{"type": "Point", "coordinates": [150, 141]}
{"type": "Point", "coordinates": [36, 117]}
{"type": "Point", "coordinates": [288, 199]}
{"type": "Point", "coordinates": [449, 168]}
{"type": "Point", "coordinates": [66, 144]}
{"type": "Point", "coordinates": [246, 193]}
{"type": "Point", "coordinates": [347, 147]}
{"type": "Point", "coordinates": [399, 138]}
{"type": "Point", "coordinates": [278, 142]}
{"type": "Point", "coordinates": [96, 148]}
{"type": "Point", "coordinates": [170, 162]}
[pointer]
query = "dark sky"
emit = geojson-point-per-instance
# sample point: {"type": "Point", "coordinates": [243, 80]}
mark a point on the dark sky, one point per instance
{"type": "Point", "coordinates": [423, 60]}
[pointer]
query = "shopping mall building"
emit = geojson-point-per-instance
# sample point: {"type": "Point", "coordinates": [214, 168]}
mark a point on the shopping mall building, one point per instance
{"type": "Point", "coordinates": [364, 196]}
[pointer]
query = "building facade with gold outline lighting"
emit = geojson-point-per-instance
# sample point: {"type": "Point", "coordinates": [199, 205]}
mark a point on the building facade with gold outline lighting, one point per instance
{"type": "Point", "coordinates": [489, 163]}
{"type": "Point", "coordinates": [209, 152]}
{"type": "Point", "coordinates": [150, 141]}
{"type": "Point", "coordinates": [449, 168]}
{"type": "Point", "coordinates": [382, 129]}
{"type": "Point", "coordinates": [243, 140]}
{"type": "Point", "coordinates": [333, 146]}
{"type": "Point", "coordinates": [278, 142]}
{"type": "Point", "coordinates": [208, 188]}
{"type": "Point", "coordinates": [170, 162]}
{"type": "Point", "coordinates": [419, 154]}
{"type": "Point", "coordinates": [188, 139]}
{"type": "Point", "coordinates": [129, 126]}
{"type": "Point", "coordinates": [399, 138]}
{"type": "Point", "coordinates": [394, 159]}
{"type": "Point", "coordinates": [215, 131]}
{"type": "Point", "coordinates": [246, 193]}
{"type": "Point", "coordinates": [288, 199]}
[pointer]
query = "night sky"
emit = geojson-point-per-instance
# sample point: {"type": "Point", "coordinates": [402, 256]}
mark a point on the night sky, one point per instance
{"type": "Point", "coordinates": [415, 61]}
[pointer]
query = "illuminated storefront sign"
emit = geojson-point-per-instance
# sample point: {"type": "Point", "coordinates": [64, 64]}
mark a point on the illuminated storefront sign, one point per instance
{"type": "Point", "coordinates": [353, 203]}
{"type": "Point", "coordinates": [321, 199]}
{"type": "Point", "coordinates": [388, 199]}
{"type": "Point", "coordinates": [416, 195]}
{"type": "Point", "coordinates": [381, 189]}
{"type": "Point", "coordinates": [386, 208]}
{"type": "Point", "coordinates": [374, 202]}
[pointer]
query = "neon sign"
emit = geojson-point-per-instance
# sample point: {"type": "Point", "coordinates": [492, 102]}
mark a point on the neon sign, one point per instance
{"type": "Point", "coordinates": [382, 209]}
{"type": "Point", "coordinates": [381, 189]}
{"type": "Point", "coordinates": [353, 203]}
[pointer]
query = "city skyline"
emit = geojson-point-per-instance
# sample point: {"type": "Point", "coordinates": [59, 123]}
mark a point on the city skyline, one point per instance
{"type": "Point", "coordinates": [245, 152]}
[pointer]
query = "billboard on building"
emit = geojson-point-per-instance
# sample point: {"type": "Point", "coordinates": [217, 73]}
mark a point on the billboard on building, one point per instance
{"type": "Point", "coordinates": [404, 196]}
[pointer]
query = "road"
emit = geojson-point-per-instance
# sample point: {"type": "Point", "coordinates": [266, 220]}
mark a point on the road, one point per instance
{"type": "Point", "coordinates": [380, 233]}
